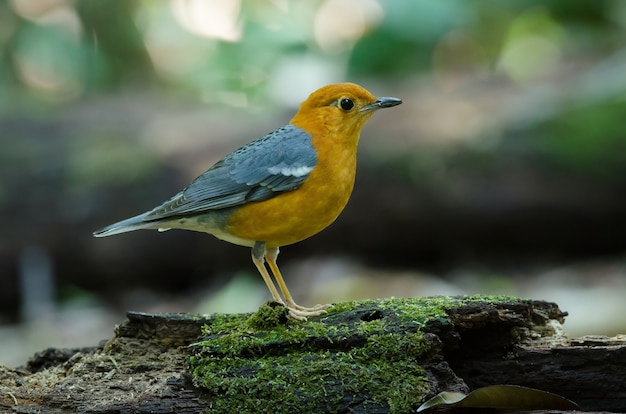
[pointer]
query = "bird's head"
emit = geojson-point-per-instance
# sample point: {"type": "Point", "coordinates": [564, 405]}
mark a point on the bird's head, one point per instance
{"type": "Point", "coordinates": [340, 107]}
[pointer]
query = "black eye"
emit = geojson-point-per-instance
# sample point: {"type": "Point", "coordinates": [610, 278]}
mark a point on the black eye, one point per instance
{"type": "Point", "coordinates": [346, 104]}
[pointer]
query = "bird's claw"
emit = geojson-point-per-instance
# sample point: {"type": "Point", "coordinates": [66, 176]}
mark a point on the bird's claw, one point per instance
{"type": "Point", "coordinates": [301, 313]}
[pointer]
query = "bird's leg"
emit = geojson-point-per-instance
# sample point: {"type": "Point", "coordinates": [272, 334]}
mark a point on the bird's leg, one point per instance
{"type": "Point", "coordinates": [258, 258]}
{"type": "Point", "coordinates": [271, 254]}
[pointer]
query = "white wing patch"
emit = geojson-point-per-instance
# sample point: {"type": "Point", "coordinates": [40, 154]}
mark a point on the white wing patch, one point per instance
{"type": "Point", "coordinates": [290, 171]}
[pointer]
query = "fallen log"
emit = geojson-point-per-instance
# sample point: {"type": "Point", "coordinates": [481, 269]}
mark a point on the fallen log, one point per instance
{"type": "Point", "coordinates": [375, 356]}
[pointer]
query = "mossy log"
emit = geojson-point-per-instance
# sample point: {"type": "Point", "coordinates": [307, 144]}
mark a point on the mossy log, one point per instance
{"type": "Point", "coordinates": [378, 356]}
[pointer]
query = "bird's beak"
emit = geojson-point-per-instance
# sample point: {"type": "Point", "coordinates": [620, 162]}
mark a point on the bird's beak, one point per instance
{"type": "Point", "coordinates": [385, 102]}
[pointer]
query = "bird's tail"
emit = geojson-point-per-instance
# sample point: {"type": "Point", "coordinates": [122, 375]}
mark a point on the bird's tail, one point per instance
{"type": "Point", "coordinates": [131, 224]}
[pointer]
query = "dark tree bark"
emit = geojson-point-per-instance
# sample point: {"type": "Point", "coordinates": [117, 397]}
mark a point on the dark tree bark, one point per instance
{"type": "Point", "coordinates": [261, 362]}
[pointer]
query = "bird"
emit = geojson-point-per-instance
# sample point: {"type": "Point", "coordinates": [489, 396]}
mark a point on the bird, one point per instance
{"type": "Point", "coordinates": [277, 190]}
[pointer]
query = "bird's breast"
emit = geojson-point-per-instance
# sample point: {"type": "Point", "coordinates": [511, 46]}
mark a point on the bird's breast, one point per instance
{"type": "Point", "coordinates": [295, 215]}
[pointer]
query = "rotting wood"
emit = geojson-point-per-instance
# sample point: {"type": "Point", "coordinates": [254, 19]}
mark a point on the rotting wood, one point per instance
{"type": "Point", "coordinates": [144, 368]}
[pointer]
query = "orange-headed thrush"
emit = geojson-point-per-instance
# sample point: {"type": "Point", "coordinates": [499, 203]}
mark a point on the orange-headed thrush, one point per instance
{"type": "Point", "coordinates": [278, 190]}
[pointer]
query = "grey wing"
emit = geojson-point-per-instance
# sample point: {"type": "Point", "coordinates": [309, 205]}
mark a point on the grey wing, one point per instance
{"type": "Point", "coordinates": [277, 162]}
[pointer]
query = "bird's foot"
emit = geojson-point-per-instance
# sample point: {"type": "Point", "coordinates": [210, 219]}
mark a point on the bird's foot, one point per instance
{"type": "Point", "coordinates": [293, 305]}
{"type": "Point", "coordinates": [304, 315]}
{"type": "Point", "coordinates": [301, 313]}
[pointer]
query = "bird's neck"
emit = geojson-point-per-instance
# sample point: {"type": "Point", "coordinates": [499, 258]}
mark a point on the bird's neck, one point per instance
{"type": "Point", "coordinates": [338, 134]}
{"type": "Point", "coordinates": [335, 145]}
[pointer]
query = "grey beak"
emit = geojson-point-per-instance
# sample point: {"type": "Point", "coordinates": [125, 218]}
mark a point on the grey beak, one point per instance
{"type": "Point", "coordinates": [383, 102]}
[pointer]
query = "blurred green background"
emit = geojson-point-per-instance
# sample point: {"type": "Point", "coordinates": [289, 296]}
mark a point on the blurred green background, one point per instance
{"type": "Point", "coordinates": [504, 171]}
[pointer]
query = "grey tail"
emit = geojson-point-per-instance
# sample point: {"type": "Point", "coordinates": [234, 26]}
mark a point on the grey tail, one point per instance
{"type": "Point", "coordinates": [130, 224]}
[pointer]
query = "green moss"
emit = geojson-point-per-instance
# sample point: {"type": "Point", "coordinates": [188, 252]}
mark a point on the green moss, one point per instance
{"type": "Point", "coordinates": [367, 352]}
{"type": "Point", "coordinates": [269, 315]}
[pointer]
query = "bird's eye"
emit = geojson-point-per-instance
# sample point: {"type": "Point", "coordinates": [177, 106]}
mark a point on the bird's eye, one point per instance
{"type": "Point", "coordinates": [346, 104]}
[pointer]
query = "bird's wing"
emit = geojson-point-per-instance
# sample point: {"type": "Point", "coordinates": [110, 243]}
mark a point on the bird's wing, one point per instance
{"type": "Point", "coordinates": [280, 161]}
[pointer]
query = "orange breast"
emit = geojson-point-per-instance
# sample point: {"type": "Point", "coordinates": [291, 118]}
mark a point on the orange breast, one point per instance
{"type": "Point", "coordinates": [296, 215]}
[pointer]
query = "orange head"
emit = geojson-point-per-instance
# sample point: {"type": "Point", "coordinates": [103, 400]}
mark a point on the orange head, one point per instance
{"type": "Point", "coordinates": [340, 108]}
